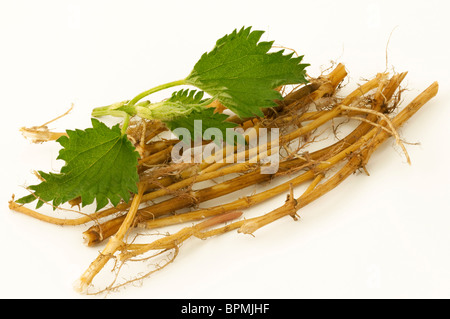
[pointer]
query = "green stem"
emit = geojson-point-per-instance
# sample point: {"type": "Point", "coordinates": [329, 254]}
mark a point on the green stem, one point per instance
{"type": "Point", "coordinates": [138, 97]}
{"type": "Point", "coordinates": [126, 122]}
{"type": "Point", "coordinates": [104, 111]}
{"type": "Point", "coordinates": [97, 112]}
{"type": "Point", "coordinates": [127, 108]}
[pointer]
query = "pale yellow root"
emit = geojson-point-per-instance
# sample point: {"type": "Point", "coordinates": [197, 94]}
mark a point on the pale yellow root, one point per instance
{"type": "Point", "coordinates": [83, 283]}
{"type": "Point", "coordinates": [40, 134]}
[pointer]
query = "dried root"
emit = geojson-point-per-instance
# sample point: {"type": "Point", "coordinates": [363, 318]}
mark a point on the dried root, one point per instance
{"type": "Point", "coordinates": [40, 134]}
{"type": "Point", "coordinates": [170, 193]}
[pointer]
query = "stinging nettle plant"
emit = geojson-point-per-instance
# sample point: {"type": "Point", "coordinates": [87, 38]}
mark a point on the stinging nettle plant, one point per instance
{"type": "Point", "coordinates": [132, 168]}
{"type": "Point", "coordinates": [100, 162]}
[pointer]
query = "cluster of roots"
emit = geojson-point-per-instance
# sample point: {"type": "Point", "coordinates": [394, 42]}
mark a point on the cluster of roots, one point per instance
{"type": "Point", "coordinates": [312, 152]}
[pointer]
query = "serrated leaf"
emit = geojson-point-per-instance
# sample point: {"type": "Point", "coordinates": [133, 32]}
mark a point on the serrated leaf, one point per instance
{"type": "Point", "coordinates": [180, 104]}
{"type": "Point", "coordinates": [187, 97]}
{"type": "Point", "coordinates": [242, 74]}
{"type": "Point", "coordinates": [100, 164]}
{"type": "Point", "coordinates": [209, 119]}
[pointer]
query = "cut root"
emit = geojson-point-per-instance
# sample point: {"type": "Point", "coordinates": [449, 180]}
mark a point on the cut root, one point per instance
{"type": "Point", "coordinates": [40, 134]}
{"type": "Point", "coordinates": [392, 131]}
{"type": "Point", "coordinates": [170, 193]}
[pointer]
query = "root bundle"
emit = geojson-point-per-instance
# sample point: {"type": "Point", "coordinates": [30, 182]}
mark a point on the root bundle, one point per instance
{"type": "Point", "coordinates": [177, 193]}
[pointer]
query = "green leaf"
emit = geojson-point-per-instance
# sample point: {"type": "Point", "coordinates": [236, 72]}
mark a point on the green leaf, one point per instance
{"type": "Point", "coordinates": [242, 74]}
{"type": "Point", "coordinates": [180, 104]}
{"type": "Point", "coordinates": [209, 119]}
{"type": "Point", "coordinates": [100, 164]}
{"type": "Point", "coordinates": [187, 97]}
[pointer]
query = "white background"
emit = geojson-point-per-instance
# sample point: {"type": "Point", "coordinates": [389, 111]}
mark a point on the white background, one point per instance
{"type": "Point", "coordinates": [383, 236]}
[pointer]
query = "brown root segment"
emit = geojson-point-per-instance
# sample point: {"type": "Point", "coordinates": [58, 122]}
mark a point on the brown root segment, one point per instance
{"type": "Point", "coordinates": [171, 193]}
{"type": "Point", "coordinates": [40, 134]}
{"type": "Point", "coordinates": [355, 162]}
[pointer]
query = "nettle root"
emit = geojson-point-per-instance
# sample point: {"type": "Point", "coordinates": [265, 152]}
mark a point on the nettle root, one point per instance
{"type": "Point", "coordinates": [40, 134]}
{"type": "Point", "coordinates": [170, 193]}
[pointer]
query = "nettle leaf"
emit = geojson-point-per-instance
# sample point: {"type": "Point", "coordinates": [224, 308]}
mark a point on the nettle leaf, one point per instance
{"type": "Point", "coordinates": [187, 97]}
{"type": "Point", "coordinates": [180, 104]}
{"type": "Point", "coordinates": [101, 165]}
{"type": "Point", "coordinates": [242, 74]}
{"type": "Point", "coordinates": [209, 119]}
